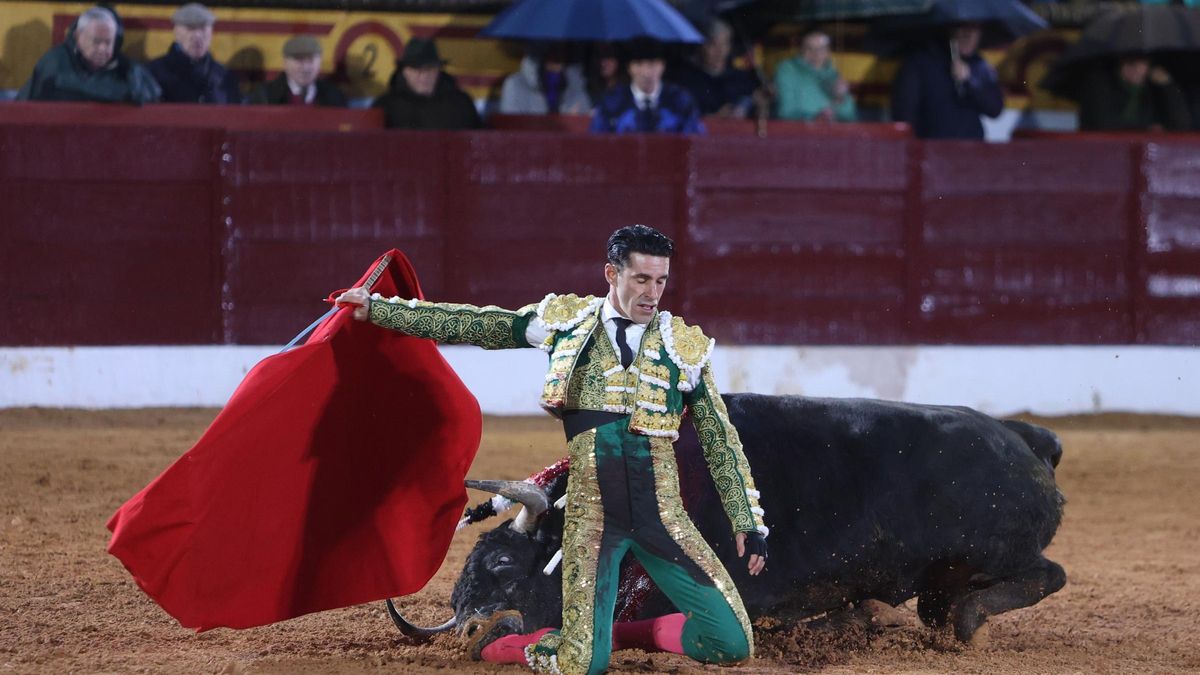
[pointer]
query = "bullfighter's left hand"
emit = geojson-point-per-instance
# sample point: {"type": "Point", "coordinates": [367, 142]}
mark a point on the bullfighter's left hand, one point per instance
{"type": "Point", "coordinates": [756, 544]}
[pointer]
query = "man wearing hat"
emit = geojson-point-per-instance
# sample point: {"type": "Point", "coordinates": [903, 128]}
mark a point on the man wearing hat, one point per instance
{"type": "Point", "coordinates": [422, 96]}
{"type": "Point", "coordinates": [187, 72]}
{"type": "Point", "coordinates": [298, 83]}
{"type": "Point", "coordinates": [648, 104]}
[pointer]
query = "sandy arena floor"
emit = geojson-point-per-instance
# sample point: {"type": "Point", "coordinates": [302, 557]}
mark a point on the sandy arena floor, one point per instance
{"type": "Point", "coordinates": [1129, 543]}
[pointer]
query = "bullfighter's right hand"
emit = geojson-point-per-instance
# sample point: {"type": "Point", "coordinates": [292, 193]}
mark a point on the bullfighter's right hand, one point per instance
{"type": "Point", "coordinates": [755, 544]}
{"type": "Point", "coordinates": [356, 296]}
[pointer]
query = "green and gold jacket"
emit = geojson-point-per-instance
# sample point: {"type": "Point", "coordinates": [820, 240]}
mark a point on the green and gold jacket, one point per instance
{"type": "Point", "coordinates": [670, 371]}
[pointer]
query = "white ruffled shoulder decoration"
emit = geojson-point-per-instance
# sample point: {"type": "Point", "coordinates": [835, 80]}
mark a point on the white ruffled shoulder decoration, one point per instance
{"type": "Point", "coordinates": [585, 307]}
{"type": "Point", "coordinates": [689, 371]}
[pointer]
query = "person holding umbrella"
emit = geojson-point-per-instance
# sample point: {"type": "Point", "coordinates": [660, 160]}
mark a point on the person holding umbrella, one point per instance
{"type": "Point", "coordinates": [1125, 68]}
{"type": "Point", "coordinates": [943, 88]}
{"type": "Point", "coordinates": [1132, 94]}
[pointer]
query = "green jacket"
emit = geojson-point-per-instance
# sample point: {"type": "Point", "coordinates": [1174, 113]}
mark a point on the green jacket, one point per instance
{"type": "Point", "coordinates": [61, 75]}
{"type": "Point", "coordinates": [670, 370]}
{"type": "Point", "coordinates": [803, 92]}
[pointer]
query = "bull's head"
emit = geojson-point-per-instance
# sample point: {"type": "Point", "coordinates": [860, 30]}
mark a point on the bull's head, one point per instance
{"type": "Point", "coordinates": [506, 568]}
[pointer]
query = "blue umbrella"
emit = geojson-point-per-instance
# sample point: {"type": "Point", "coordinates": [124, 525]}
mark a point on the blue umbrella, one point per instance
{"type": "Point", "coordinates": [604, 20]}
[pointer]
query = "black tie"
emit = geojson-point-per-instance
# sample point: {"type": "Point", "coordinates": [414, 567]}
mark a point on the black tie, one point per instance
{"type": "Point", "coordinates": [622, 343]}
{"type": "Point", "coordinates": [646, 117]}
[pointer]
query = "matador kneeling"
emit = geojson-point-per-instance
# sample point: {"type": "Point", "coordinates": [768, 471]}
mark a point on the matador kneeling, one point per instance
{"type": "Point", "coordinates": [621, 373]}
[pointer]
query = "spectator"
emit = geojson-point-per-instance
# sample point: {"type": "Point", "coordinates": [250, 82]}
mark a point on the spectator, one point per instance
{"type": "Point", "coordinates": [1132, 96]}
{"type": "Point", "coordinates": [648, 103]}
{"type": "Point", "coordinates": [89, 66]}
{"type": "Point", "coordinates": [188, 73]}
{"type": "Point", "coordinates": [718, 87]}
{"type": "Point", "coordinates": [421, 96]}
{"type": "Point", "coordinates": [298, 83]}
{"type": "Point", "coordinates": [942, 89]}
{"type": "Point", "coordinates": [808, 87]}
{"type": "Point", "coordinates": [545, 85]}
{"type": "Point", "coordinates": [603, 70]}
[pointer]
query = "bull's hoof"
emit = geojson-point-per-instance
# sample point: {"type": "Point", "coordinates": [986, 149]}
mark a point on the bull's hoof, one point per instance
{"type": "Point", "coordinates": [482, 632]}
{"type": "Point", "coordinates": [968, 618]}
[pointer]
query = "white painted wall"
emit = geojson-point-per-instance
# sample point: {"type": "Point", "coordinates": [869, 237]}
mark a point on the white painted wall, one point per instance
{"type": "Point", "coordinates": [1049, 380]}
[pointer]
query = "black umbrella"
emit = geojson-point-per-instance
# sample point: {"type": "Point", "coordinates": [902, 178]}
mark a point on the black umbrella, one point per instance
{"type": "Point", "coordinates": [1169, 33]}
{"type": "Point", "coordinates": [1002, 21]}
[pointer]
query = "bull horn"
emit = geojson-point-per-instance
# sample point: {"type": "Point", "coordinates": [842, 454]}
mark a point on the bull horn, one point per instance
{"type": "Point", "coordinates": [417, 632]}
{"type": "Point", "coordinates": [530, 495]}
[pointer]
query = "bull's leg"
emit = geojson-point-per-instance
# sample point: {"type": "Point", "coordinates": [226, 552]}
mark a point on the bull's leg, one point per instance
{"type": "Point", "coordinates": [1019, 590]}
{"type": "Point", "coordinates": [943, 583]}
{"type": "Point", "coordinates": [934, 606]}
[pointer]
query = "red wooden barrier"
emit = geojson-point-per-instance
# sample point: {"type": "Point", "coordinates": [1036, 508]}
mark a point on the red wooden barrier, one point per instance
{"type": "Point", "coordinates": [177, 115]}
{"type": "Point", "coordinates": [185, 236]}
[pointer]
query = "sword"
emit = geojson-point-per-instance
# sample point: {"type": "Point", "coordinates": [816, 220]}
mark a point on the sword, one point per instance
{"type": "Point", "coordinates": [368, 284]}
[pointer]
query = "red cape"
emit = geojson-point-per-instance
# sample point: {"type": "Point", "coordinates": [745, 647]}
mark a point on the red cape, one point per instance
{"type": "Point", "coordinates": [332, 477]}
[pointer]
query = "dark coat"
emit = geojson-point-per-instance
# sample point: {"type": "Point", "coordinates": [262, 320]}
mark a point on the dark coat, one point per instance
{"type": "Point", "coordinates": [676, 112]}
{"type": "Point", "coordinates": [62, 75]}
{"type": "Point", "coordinates": [925, 95]}
{"type": "Point", "coordinates": [1107, 104]}
{"type": "Point", "coordinates": [186, 81]}
{"type": "Point", "coordinates": [276, 92]}
{"type": "Point", "coordinates": [712, 92]}
{"type": "Point", "coordinates": [447, 108]}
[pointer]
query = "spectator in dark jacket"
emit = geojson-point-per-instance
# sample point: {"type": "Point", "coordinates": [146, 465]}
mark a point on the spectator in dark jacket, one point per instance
{"type": "Point", "coordinates": [942, 89]}
{"type": "Point", "coordinates": [718, 87]}
{"type": "Point", "coordinates": [89, 66]}
{"type": "Point", "coordinates": [648, 103]}
{"type": "Point", "coordinates": [421, 96]}
{"type": "Point", "coordinates": [1131, 95]}
{"type": "Point", "coordinates": [188, 73]}
{"type": "Point", "coordinates": [298, 83]}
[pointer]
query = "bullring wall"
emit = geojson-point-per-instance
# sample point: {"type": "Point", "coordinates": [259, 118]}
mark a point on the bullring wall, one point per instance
{"type": "Point", "coordinates": [183, 236]}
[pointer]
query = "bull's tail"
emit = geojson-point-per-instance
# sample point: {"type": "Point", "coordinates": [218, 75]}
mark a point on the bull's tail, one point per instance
{"type": "Point", "coordinates": [1043, 442]}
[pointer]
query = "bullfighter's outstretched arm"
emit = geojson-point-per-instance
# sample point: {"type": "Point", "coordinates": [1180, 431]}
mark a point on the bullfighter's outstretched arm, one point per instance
{"type": "Point", "coordinates": [489, 327]}
{"type": "Point", "coordinates": [723, 452]}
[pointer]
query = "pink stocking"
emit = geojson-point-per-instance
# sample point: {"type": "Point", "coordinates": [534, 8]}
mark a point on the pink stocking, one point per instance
{"type": "Point", "coordinates": [511, 648]}
{"type": "Point", "coordinates": [663, 634]}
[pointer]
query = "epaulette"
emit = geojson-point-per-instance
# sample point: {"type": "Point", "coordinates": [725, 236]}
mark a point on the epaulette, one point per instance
{"type": "Point", "coordinates": [564, 312]}
{"type": "Point", "coordinates": [687, 346]}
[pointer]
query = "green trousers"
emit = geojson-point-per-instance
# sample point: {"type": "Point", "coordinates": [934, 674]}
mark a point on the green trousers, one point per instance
{"type": "Point", "coordinates": [623, 497]}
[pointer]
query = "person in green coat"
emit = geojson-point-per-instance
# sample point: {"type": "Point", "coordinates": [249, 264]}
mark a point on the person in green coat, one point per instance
{"type": "Point", "coordinates": [809, 88]}
{"type": "Point", "coordinates": [89, 66]}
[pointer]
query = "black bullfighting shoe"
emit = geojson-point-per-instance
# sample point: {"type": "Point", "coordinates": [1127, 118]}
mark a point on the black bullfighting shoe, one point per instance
{"type": "Point", "coordinates": [483, 631]}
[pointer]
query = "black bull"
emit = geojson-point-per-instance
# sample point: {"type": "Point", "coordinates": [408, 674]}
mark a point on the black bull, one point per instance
{"type": "Point", "coordinates": [865, 499]}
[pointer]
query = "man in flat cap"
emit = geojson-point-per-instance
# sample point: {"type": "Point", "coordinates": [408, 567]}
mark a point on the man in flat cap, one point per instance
{"type": "Point", "coordinates": [298, 83]}
{"type": "Point", "coordinates": [647, 104]}
{"type": "Point", "coordinates": [89, 66]}
{"type": "Point", "coordinates": [422, 96]}
{"type": "Point", "coordinates": [187, 72]}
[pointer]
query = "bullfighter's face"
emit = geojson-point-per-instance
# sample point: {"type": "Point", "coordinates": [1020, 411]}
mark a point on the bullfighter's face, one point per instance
{"type": "Point", "coordinates": [636, 288]}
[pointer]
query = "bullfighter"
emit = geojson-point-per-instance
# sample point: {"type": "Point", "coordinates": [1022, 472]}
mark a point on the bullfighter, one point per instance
{"type": "Point", "coordinates": [620, 375]}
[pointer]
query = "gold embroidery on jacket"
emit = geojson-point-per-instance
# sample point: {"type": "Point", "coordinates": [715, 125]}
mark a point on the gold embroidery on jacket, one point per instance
{"type": "Point", "coordinates": [723, 451]}
{"type": "Point", "coordinates": [489, 327]}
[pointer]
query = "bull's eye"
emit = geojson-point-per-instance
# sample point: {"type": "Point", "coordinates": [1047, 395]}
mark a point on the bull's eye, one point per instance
{"type": "Point", "coordinates": [504, 560]}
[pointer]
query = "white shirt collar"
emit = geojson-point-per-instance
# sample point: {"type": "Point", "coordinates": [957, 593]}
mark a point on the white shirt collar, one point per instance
{"type": "Point", "coordinates": [641, 99]}
{"type": "Point", "coordinates": [608, 312]}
